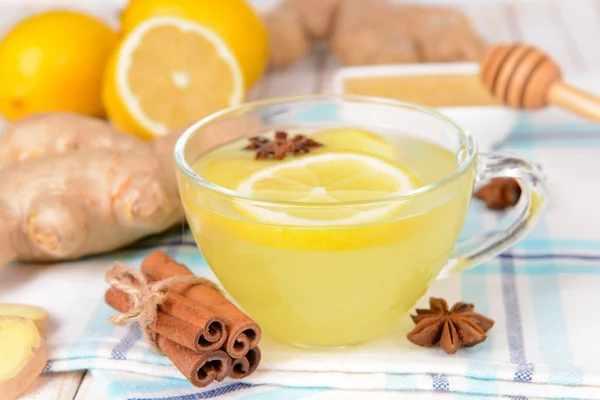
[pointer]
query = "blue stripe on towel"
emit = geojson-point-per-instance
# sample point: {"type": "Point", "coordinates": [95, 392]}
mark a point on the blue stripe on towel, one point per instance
{"type": "Point", "coordinates": [531, 244]}
{"type": "Point", "coordinates": [527, 129]}
{"type": "Point", "coordinates": [285, 393]}
{"type": "Point", "coordinates": [550, 142]}
{"type": "Point", "coordinates": [134, 333]}
{"type": "Point", "coordinates": [122, 389]}
{"type": "Point", "coordinates": [440, 382]}
{"type": "Point", "coordinates": [536, 268]}
{"type": "Point", "coordinates": [527, 126]}
{"type": "Point", "coordinates": [514, 329]}
{"type": "Point", "coordinates": [209, 394]}
{"type": "Point", "coordinates": [548, 256]}
{"type": "Point", "coordinates": [47, 368]}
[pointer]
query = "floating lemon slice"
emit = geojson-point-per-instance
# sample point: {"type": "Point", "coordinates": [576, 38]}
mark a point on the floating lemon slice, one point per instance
{"type": "Point", "coordinates": [167, 73]}
{"type": "Point", "coordinates": [327, 178]}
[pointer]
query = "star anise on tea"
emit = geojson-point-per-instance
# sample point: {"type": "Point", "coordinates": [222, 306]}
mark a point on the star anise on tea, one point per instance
{"type": "Point", "coordinates": [459, 326]}
{"type": "Point", "coordinates": [281, 146]}
{"type": "Point", "coordinates": [499, 193]}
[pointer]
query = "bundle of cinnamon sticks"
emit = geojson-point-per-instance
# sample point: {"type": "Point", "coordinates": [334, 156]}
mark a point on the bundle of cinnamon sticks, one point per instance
{"type": "Point", "coordinates": [205, 336]}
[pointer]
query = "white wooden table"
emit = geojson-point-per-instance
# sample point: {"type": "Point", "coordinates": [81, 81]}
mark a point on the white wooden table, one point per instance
{"type": "Point", "coordinates": [569, 30]}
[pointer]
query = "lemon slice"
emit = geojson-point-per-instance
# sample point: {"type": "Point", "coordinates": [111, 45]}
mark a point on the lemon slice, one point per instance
{"type": "Point", "coordinates": [167, 73]}
{"type": "Point", "coordinates": [327, 178]}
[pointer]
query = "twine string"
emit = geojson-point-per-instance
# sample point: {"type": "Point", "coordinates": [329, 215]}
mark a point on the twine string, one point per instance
{"type": "Point", "coordinates": [144, 296]}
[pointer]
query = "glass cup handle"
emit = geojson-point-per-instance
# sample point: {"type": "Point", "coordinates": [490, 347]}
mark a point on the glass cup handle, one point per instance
{"type": "Point", "coordinates": [520, 220]}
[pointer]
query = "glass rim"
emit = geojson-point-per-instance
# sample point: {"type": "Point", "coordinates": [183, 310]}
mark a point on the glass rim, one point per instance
{"type": "Point", "coordinates": [468, 144]}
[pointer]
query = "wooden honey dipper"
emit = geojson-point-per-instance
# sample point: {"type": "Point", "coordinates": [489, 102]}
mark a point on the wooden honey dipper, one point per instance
{"type": "Point", "coordinates": [522, 76]}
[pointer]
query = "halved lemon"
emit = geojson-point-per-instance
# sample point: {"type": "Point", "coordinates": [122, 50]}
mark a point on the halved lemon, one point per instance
{"type": "Point", "coordinates": [327, 179]}
{"type": "Point", "coordinates": [167, 73]}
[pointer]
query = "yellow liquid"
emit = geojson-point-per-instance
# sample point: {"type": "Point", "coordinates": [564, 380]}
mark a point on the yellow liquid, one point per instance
{"type": "Point", "coordinates": [329, 285]}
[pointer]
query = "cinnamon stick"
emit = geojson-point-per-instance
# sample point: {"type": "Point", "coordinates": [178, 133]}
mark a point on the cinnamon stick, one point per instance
{"type": "Point", "coordinates": [242, 367]}
{"type": "Point", "coordinates": [180, 320]}
{"type": "Point", "coordinates": [244, 333]}
{"type": "Point", "coordinates": [212, 334]}
{"type": "Point", "coordinates": [201, 369]}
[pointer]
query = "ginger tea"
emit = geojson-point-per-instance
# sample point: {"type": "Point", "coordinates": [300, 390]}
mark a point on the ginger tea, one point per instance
{"type": "Point", "coordinates": [331, 256]}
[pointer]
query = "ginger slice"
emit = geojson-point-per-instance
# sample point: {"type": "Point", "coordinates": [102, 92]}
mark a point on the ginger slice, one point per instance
{"type": "Point", "coordinates": [38, 315]}
{"type": "Point", "coordinates": [23, 355]}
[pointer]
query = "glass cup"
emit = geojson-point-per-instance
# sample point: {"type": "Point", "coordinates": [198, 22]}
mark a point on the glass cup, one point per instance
{"type": "Point", "coordinates": [330, 283]}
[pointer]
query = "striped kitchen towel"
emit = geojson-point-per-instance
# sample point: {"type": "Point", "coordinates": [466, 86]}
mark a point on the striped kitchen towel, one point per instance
{"type": "Point", "coordinates": [543, 294]}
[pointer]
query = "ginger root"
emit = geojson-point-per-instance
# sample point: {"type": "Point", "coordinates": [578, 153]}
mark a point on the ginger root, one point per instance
{"type": "Point", "coordinates": [95, 195]}
{"type": "Point", "coordinates": [48, 134]}
{"type": "Point", "coordinates": [23, 355]}
{"type": "Point", "coordinates": [373, 33]}
{"type": "Point", "coordinates": [38, 315]}
{"type": "Point", "coordinates": [315, 16]}
{"type": "Point", "coordinates": [445, 34]}
{"type": "Point", "coordinates": [364, 32]}
{"type": "Point", "coordinates": [293, 25]}
{"type": "Point", "coordinates": [98, 195]}
{"type": "Point", "coordinates": [287, 39]}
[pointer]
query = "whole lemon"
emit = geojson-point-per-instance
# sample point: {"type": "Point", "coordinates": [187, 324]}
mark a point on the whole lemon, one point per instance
{"type": "Point", "coordinates": [234, 21]}
{"type": "Point", "coordinates": [54, 61]}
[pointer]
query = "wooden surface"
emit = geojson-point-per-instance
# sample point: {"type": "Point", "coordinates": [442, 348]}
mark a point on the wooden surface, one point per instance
{"type": "Point", "coordinates": [567, 29]}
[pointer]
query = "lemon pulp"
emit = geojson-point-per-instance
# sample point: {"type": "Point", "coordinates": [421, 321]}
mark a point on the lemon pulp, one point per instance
{"type": "Point", "coordinates": [151, 89]}
{"type": "Point", "coordinates": [319, 274]}
{"type": "Point", "coordinates": [327, 178]}
{"type": "Point", "coordinates": [235, 21]}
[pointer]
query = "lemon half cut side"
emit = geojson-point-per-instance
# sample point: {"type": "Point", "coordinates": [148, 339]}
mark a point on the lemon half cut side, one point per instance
{"type": "Point", "coordinates": [168, 73]}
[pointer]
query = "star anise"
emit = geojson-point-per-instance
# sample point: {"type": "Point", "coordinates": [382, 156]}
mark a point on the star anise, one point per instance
{"type": "Point", "coordinates": [460, 326]}
{"type": "Point", "coordinates": [281, 146]}
{"type": "Point", "coordinates": [499, 193]}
